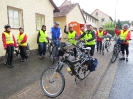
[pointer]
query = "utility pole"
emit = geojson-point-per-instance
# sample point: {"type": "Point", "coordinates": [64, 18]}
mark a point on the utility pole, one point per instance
{"type": "Point", "coordinates": [115, 12]}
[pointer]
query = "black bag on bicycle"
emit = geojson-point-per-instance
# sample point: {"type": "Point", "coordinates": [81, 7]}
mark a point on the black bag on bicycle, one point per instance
{"type": "Point", "coordinates": [92, 64]}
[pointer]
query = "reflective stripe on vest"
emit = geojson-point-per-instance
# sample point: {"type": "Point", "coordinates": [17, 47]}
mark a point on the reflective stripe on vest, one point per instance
{"type": "Point", "coordinates": [9, 38]}
{"type": "Point", "coordinates": [100, 34]}
{"type": "Point", "coordinates": [20, 38]}
{"type": "Point", "coordinates": [123, 35]}
{"type": "Point", "coordinates": [71, 37]}
{"type": "Point", "coordinates": [43, 36]}
{"type": "Point", "coordinates": [89, 36]}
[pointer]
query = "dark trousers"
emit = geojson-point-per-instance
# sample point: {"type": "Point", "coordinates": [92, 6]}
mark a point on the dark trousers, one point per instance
{"type": "Point", "coordinates": [99, 45]}
{"type": "Point", "coordinates": [92, 49]}
{"type": "Point", "coordinates": [10, 50]}
{"type": "Point", "coordinates": [125, 47]}
{"type": "Point", "coordinates": [42, 49]}
{"type": "Point", "coordinates": [23, 53]}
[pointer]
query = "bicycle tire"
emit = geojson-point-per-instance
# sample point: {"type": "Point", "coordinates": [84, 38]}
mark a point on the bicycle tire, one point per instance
{"type": "Point", "coordinates": [5, 59]}
{"type": "Point", "coordinates": [45, 89]}
{"type": "Point", "coordinates": [102, 49]}
{"type": "Point", "coordinates": [85, 73]}
{"type": "Point", "coordinates": [114, 56]}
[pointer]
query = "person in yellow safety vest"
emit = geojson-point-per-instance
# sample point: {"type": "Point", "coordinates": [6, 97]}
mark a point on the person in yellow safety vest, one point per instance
{"type": "Point", "coordinates": [99, 35]}
{"type": "Point", "coordinates": [42, 41]}
{"type": "Point", "coordinates": [71, 38]}
{"type": "Point", "coordinates": [90, 38]}
{"type": "Point", "coordinates": [9, 43]}
{"type": "Point", "coordinates": [82, 31]}
{"type": "Point", "coordinates": [124, 35]}
{"type": "Point", "coordinates": [22, 42]}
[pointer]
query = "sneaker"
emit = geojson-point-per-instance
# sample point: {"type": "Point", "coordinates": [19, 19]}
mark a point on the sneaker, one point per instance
{"type": "Point", "coordinates": [40, 57]}
{"type": "Point", "coordinates": [9, 66]}
{"type": "Point", "coordinates": [43, 56]}
{"type": "Point", "coordinates": [23, 60]}
{"type": "Point", "coordinates": [123, 58]}
{"type": "Point", "coordinates": [126, 59]}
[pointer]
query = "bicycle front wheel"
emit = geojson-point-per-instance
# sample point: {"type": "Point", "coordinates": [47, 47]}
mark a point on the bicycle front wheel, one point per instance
{"type": "Point", "coordinates": [114, 56]}
{"type": "Point", "coordinates": [52, 82]}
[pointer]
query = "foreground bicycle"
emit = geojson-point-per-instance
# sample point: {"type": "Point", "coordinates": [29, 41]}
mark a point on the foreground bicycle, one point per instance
{"type": "Point", "coordinates": [116, 50]}
{"type": "Point", "coordinates": [52, 79]}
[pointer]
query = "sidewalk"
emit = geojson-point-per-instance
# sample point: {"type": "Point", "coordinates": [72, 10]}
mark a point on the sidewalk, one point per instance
{"type": "Point", "coordinates": [71, 91]}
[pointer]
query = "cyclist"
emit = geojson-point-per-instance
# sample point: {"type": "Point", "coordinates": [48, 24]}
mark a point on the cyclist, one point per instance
{"type": "Point", "coordinates": [42, 41]}
{"type": "Point", "coordinates": [99, 35]}
{"type": "Point", "coordinates": [108, 35]}
{"type": "Point", "coordinates": [56, 34]}
{"type": "Point", "coordinates": [124, 35]}
{"type": "Point", "coordinates": [82, 30]}
{"type": "Point", "coordinates": [71, 38]}
{"type": "Point", "coordinates": [89, 36]}
{"type": "Point", "coordinates": [9, 43]}
{"type": "Point", "coordinates": [22, 41]}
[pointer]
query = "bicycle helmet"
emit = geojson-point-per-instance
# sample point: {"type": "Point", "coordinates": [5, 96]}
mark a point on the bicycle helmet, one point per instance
{"type": "Point", "coordinates": [57, 23]}
{"type": "Point", "coordinates": [7, 26]}
{"type": "Point", "coordinates": [43, 25]}
{"type": "Point", "coordinates": [70, 27]}
{"type": "Point", "coordinates": [87, 24]}
{"type": "Point", "coordinates": [101, 27]}
{"type": "Point", "coordinates": [125, 25]}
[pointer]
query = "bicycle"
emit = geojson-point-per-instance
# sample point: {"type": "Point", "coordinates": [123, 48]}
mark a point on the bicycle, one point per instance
{"type": "Point", "coordinates": [78, 68]}
{"type": "Point", "coordinates": [52, 49]}
{"type": "Point", "coordinates": [17, 53]}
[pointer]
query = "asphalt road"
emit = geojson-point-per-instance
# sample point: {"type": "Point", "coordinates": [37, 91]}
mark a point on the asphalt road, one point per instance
{"type": "Point", "coordinates": [123, 84]}
{"type": "Point", "coordinates": [22, 75]}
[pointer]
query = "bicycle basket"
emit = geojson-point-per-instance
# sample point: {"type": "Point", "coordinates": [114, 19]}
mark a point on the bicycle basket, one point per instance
{"type": "Point", "coordinates": [92, 64]}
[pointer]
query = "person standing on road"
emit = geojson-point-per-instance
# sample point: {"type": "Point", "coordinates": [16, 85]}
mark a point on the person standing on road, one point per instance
{"type": "Point", "coordinates": [71, 38]}
{"type": "Point", "coordinates": [124, 35]}
{"type": "Point", "coordinates": [22, 42]}
{"type": "Point", "coordinates": [99, 35]}
{"type": "Point", "coordinates": [89, 36]}
{"type": "Point", "coordinates": [9, 43]}
{"type": "Point", "coordinates": [42, 41]}
{"type": "Point", "coordinates": [56, 34]}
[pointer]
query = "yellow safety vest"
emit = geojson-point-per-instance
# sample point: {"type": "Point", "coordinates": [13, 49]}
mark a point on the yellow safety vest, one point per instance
{"type": "Point", "coordinates": [20, 38]}
{"type": "Point", "coordinates": [123, 35]}
{"type": "Point", "coordinates": [89, 36]}
{"type": "Point", "coordinates": [100, 34]}
{"type": "Point", "coordinates": [71, 37]}
{"type": "Point", "coordinates": [9, 38]}
{"type": "Point", "coordinates": [43, 36]}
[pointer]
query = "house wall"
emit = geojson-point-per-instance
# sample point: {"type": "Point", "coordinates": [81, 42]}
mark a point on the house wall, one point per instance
{"type": "Point", "coordinates": [62, 21]}
{"type": "Point", "coordinates": [100, 16]}
{"type": "Point", "coordinates": [29, 8]}
{"type": "Point", "coordinates": [75, 15]}
{"type": "Point", "coordinates": [91, 20]}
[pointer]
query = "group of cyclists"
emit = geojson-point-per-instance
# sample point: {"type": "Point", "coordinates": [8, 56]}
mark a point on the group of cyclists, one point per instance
{"type": "Point", "coordinates": [90, 37]}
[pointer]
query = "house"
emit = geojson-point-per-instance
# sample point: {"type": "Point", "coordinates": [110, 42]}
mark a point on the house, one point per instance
{"type": "Point", "coordinates": [29, 14]}
{"type": "Point", "coordinates": [90, 19]}
{"type": "Point", "coordinates": [102, 17]}
{"type": "Point", "coordinates": [69, 12]}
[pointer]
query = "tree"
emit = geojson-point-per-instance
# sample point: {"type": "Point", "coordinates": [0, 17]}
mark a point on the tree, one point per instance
{"type": "Point", "coordinates": [118, 24]}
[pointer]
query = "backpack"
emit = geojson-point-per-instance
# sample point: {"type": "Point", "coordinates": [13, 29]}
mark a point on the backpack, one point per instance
{"type": "Point", "coordinates": [92, 64]}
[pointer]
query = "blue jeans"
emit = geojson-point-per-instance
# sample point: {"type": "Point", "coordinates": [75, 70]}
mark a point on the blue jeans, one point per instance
{"type": "Point", "coordinates": [42, 49]}
{"type": "Point", "coordinates": [57, 45]}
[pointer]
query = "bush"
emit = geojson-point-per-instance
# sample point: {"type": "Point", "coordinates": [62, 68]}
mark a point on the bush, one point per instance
{"type": "Point", "coordinates": [111, 31]}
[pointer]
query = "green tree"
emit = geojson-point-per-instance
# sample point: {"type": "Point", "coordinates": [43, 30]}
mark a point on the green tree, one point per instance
{"type": "Point", "coordinates": [110, 26]}
{"type": "Point", "coordinates": [118, 24]}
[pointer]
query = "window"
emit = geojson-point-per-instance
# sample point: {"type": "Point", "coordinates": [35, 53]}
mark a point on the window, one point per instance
{"type": "Point", "coordinates": [102, 20]}
{"type": "Point", "coordinates": [14, 17]}
{"type": "Point", "coordinates": [96, 13]}
{"type": "Point", "coordinates": [39, 21]}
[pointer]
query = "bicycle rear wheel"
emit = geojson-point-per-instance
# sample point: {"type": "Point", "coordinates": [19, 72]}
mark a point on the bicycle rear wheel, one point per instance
{"type": "Point", "coordinates": [102, 49]}
{"type": "Point", "coordinates": [83, 72]}
{"type": "Point", "coordinates": [52, 82]}
{"type": "Point", "coordinates": [5, 59]}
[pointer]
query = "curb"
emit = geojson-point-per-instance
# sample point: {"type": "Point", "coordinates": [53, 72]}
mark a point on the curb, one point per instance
{"type": "Point", "coordinates": [104, 88]}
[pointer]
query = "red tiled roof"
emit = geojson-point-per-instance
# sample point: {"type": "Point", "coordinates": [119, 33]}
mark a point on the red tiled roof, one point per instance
{"type": "Point", "coordinates": [64, 10]}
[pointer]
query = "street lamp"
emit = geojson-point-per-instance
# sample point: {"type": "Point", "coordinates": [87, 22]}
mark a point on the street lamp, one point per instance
{"type": "Point", "coordinates": [115, 12]}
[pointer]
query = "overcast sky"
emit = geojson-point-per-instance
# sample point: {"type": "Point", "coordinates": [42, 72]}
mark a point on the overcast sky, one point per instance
{"type": "Point", "coordinates": [123, 10]}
